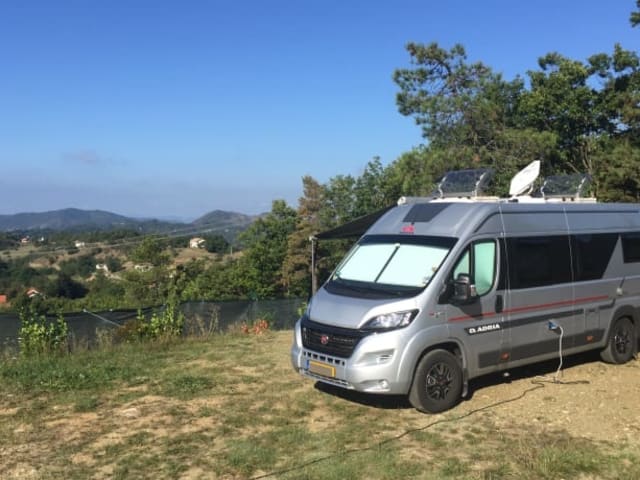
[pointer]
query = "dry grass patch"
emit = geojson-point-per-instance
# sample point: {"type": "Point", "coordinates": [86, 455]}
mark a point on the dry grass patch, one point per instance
{"type": "Point", "coordinates": [230, 407]}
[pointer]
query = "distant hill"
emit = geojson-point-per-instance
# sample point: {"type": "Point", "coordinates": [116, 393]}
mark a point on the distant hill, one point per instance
{"type": "Point", "coordinates": [228, 224]}
{"type": "Point", "coordinates": [66, 219]}
{"type": "Point", "coordinates": [222, 218]}
{"type": "Point", "coordinates": [217, 221]}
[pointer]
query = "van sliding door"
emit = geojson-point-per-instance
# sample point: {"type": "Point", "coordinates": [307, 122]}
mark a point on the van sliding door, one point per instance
{"type": "Point", "coordinates": [541, 293]}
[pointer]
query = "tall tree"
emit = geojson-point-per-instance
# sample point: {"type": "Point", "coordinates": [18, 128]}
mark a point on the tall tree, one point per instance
{"type": "Point", "coordinates": [586, 105]}
{"type": "Point", "coordinates": [297, 267]}
{"type": "Point", "coordinates": [562, 101]}
{"type": "Point", "coordinates": [470, 116]}
{"type": "Point", "coordinates": [265, 249]}
{"type": "Point", "coordinates": [339, 201]}
{"type": "Point", "coordinates": [370, 189]}
{"type": "Point", "coordinates": [619, 180]}
{"type": "Point", "coordinates": [454, 101]}
{"type": "Point", "coordinates": [620, 94]}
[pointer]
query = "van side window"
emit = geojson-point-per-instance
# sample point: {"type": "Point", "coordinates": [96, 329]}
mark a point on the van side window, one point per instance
{"type": "Point", "coordinates": [483, 273]}
{"type": "Point", "coordinates": [485, 266]}
{"type": "Point", "coordinates": [591, 254]}
{"type": "Point", "coordinates": [631, 247]}
{"type": "Point", "coordinates": [539, 261]}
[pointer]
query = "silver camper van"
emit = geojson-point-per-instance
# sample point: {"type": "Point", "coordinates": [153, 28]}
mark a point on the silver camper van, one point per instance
{"type": "Point", "coordinates": [442, 290]}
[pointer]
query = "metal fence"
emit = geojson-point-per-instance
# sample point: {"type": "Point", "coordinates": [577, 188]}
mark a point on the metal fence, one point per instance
{"type": "Point", "coordinates": [199, 317]}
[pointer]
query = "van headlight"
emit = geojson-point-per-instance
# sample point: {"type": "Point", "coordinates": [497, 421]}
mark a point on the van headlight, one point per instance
{"type": "Point", "coordinates": [390, 321]}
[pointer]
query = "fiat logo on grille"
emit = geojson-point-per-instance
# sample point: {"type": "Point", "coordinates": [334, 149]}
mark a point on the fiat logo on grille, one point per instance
{"type": "Point", "coordinates": [324, 339]}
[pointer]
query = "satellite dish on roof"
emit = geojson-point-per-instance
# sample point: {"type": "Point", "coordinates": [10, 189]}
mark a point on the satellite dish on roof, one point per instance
{"type": "Point", "coordinates": [522, 182]}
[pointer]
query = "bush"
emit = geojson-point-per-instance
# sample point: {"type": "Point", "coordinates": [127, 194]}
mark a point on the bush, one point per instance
{"type": "Point", "coordinates": [38, 336]}
{"type": "Point", "coordinates": [163, 325]}
{"type": "Point", "coordinates": [168, 323]}
{"type": "Point", "coordinates": [82, 266]}
{"type": "Point", "coordinates": [258, 327]}
{"type": "Point", "coordinates": [132, 330]}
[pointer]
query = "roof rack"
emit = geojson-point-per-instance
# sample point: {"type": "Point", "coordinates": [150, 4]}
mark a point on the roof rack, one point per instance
{"type": "Point", "coordinates": [565, 186]}
{"type": "Point", "coordinates": [464, 183]}
{"type": "Point", "coordinates": [469, 185]}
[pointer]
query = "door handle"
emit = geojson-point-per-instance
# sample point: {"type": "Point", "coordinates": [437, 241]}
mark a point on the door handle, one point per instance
{"type": "Point", "coordinates": [499, 304]}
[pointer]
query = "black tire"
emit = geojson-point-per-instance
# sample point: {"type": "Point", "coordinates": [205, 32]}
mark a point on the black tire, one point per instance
{"type": "Point", "coordinates": [437, 382]}
{"type": "Point", "coordinates": [621, 346]}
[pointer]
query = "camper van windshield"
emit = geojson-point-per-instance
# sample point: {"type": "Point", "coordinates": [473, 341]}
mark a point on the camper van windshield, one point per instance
{"type": "Point", "coordinates": [392, 263]}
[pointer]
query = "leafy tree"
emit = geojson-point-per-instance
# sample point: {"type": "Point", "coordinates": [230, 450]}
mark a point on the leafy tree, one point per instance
{"type": "Point", "coordinates": [562, 101]}
{"type": "Point", "coordinates": [635, 16]}
{"type": "Point", "coordinates": [410, 174]}
{"type": "Point", "coordinates": [470, 116]}
{"type": "Point", "coordinates": [221, 281]}
{"type": "Point", "coordinates": [620, 94]}
{"type": "Point", "coordinates": [583, 105]}
{"type": "Point", "coordinates": [82, 266]}
{"type": "Point", "coordinates": [103, 287]}
{"type": "Point", "coordinates": [370, 189]}
{"type": "Point", "coordinates": [146, 288]}
{"type": "Point", "coordinates": [8, 241]}
{"type": "Point", "coordinates": [184, 278]}
{"type": "Point", "coordinates": [114, 264]}
{"type": "Point", "coordinates": [339, 201]}
{"type": "Point", "coordinates": [568, 117]}
{"type": "Point", "coordinates": [266, 246]}
{"type": "Point", "coordinates": [150, 250]}
{"type": "Point", "coordinates": [216, 243]}
{"type": "Point", "coordinates": [455, 102]}
{"type": "Point", "coordinates": [416, 172]}
{"type": "Point", "coordinates": [618, 178]}
{"type": "Point", "coordinates": [67, 287]}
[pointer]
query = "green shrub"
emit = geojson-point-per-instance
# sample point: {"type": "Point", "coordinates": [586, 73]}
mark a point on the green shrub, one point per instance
{"type": "Point", "coordinates": [167, 324]}
{"type": "Point", "coordinates": [38, 336]}
{"type": "Point", "coordinates": [164, 324]}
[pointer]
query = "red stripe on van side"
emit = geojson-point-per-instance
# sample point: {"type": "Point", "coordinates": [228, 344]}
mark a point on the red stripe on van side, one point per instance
{"type": "Point", "coordinates": [530, 308]}
{"type": "Point", "coordinates": [473, 317]}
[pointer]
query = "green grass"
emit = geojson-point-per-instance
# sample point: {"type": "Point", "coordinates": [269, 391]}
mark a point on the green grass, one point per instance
{"type": "Point", "coordinates": [230, 406]}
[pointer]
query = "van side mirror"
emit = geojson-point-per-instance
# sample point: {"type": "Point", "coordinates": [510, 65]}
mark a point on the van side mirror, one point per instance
{"type": "Point", "coordinates": [464, 292]}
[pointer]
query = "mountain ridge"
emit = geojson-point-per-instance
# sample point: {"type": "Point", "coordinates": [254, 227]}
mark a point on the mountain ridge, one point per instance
{"type": "Point", "coordinates": [79, 219]}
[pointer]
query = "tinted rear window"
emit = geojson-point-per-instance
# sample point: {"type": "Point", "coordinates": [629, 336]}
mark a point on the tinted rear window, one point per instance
{"type": "Point", "coordinates": [631, 247]}
{"type": "Point", "coordinates": [591, 254]}
{"type": "Point", "coordinates": [539, 261]}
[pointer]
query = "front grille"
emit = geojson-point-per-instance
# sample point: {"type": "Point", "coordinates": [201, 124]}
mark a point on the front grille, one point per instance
{"type": "Point", "coordinates": [330, 340]}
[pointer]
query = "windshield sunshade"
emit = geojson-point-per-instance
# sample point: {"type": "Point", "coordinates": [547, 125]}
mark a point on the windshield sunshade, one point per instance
{"type": "Point", "coordinates": [393, 263]}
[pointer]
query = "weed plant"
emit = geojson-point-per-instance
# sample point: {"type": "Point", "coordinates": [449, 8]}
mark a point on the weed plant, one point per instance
{"type": "Point", "coordinates": [39, 336]}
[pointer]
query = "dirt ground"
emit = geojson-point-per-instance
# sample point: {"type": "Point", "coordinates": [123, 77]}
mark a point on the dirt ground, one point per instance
{"type": "Point", "coordinates": [590, 399]}
{"type": "Point", "coordinates": [587, 399]}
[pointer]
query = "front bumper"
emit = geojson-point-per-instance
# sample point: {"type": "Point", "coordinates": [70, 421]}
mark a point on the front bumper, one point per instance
{"type": "Point", "coordinates": [373, 367]}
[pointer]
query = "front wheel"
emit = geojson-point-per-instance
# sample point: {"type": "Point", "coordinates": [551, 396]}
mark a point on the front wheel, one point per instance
{"type": "Point", "coordinates": [622, 342]}
{"type": "Point", "coordinates": [437, 383]}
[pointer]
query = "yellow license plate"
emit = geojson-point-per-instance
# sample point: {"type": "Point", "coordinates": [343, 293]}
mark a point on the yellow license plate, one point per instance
{"type": "Point", "coordinates": [323, 369]}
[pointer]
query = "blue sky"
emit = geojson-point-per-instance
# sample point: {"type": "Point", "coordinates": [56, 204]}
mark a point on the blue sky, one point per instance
{"type": "Point", "coordinates": [173, 109]}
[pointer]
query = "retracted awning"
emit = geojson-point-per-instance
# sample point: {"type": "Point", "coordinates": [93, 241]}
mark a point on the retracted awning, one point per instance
{"type": "Point", "coordinates": [354, 228]}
